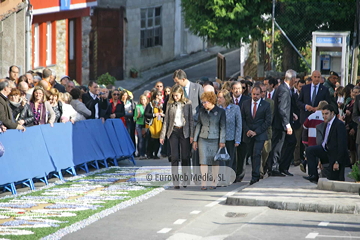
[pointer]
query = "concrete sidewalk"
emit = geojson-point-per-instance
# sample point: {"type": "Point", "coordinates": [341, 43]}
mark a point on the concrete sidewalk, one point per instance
{"type": "Point", "coordinates": [132, 84]}
{"type": "Point", "coordinates": [295, 194]}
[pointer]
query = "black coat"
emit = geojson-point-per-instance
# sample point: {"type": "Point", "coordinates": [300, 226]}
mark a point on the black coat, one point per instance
{"type": "Point", "coordinates": [305, 99]}
{"type": "Point", "coordinates": [119, 110]}
{"type": "Point", "coordinates": [90, 104]}
{"type": "Point", "coordinates": [23, 113]}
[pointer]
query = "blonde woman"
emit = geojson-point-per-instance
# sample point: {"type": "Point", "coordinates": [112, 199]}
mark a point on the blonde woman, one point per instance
{"type": "Point", "coordinates": [43, 112]}
{"type": "Point", "coordinates": [55, 103]}
{"type": "Point", "coordinates": [178, 127]}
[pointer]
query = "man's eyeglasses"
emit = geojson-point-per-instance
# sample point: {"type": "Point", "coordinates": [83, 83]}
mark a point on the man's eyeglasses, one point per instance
{"type": "Point", "coordinates": [243, 87]}
{"type": "Point", "coordinates": [116, 94]}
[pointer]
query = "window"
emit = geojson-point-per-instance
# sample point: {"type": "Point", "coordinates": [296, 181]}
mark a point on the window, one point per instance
{"type": "Point", "coordinates": [150, 24]}
{"type": "Point", "coordinates": [44, 44]}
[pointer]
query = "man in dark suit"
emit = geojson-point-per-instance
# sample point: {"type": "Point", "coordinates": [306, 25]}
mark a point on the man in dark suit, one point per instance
{"type": "Point", "coordinates": [356, 118]}
{"type": "Point", "coordinates": [332, 148]}
{"type": "Point", "coordinates": [193, 92]}
{"type": "Point", "coordinates": [311, 95]}
{"type": "Point", "coordinates": [271, 85]}
{"type": "Point", "coordinates": [93, 102]}
{"type": "Point", "coordinates": [241, 151]}
{"type": "Point", "coordinates": [281, 122]}
{"type": "Point", "coordinates": [309, 99]}
{"type": "Point", "coordinates": [256, 118]}
{"type": "Point", "coordinates": [298, 129]}
{"type": "Point", "coordinates": [267, 144]}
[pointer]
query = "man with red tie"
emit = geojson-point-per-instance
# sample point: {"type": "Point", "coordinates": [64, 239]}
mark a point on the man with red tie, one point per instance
{"type": "Point", "coordinates": [241, 150]}
{"type": "Point", "coordinates": [256, 118]}
{"type": "Point", "coordinates": [270, 84]}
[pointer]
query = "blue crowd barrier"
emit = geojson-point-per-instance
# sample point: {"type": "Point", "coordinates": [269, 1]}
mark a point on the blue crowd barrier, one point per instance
{"type": "Point", "coordinates": [42, 150]}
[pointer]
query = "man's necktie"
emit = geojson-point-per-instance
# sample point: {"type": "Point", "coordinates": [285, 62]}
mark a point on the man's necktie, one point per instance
{"type": "Point", "coordinates": [327, 130]}
{"type": "Point", "coordinates": [185, 93]}
{"type": "Point", "coordinates": [236, 101]}
{"type": "Point", "coordinates": [254, 109]}
{"type": "Point", "coordinates": [269, 95]}
{"type": "Point", "coordinates": [313, 97]}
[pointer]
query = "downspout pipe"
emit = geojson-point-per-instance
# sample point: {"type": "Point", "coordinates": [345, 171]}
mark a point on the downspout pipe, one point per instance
{"type": "Point", "coordinates": [28, 22]}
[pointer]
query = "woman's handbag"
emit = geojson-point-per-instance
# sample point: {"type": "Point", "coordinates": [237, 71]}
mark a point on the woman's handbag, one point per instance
{"type": "Point", "coordinates": [222, 156]}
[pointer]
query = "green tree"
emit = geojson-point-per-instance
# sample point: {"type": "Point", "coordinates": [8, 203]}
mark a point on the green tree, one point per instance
{"type": "Point", "coordinates": [226, 22]}
{"type": "Point", "coordinates": [300, 18]}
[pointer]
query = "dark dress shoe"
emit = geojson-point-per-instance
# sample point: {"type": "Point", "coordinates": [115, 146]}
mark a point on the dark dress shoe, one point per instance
{"type": "Point", "coordinates": [286, 172]}
{"type": "Point", "coordinates": [276, 174]}
{"type": "Point", "coordinates": [253, 181]}
{"type": "Point", "coordinates": [312, 178]}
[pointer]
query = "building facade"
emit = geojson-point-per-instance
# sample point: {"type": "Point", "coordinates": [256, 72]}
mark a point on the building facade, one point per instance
{"type": "Point", "coordinates": [12, 35]}
{"type": "Point", "coordinates": [138, 34]}
{"type": "Point", "coordinates": [60, 37]}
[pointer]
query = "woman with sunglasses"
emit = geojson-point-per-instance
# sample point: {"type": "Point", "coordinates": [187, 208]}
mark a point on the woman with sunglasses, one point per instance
{"type": "Point", "coordinates": [178, 126]}
{"type": "Point", "coordinates": [20, 109]}
{"type": "Point", "coordinates": [116, 107]}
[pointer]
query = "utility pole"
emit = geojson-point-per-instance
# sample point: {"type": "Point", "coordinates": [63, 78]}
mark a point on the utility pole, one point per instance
{"type": "Point", "coordinates": [272, 36]}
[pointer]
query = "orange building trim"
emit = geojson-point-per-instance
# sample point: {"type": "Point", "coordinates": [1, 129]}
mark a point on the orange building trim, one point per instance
{"type": "Point", "coordinates": [53, 43]}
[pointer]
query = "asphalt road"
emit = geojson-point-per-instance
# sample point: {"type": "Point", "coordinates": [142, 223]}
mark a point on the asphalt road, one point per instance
{"type": "Point", "coordinates": [194, 214]}
{"type": "Point", "coordinates": [205, 69]}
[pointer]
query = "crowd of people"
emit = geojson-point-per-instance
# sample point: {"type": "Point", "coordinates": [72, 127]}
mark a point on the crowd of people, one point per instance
{"type": "Point", "coordinates": [311, 122]}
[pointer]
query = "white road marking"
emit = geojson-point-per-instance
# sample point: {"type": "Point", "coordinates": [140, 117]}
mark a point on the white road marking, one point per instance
{"type": "Point", "coordinates": [337, 237]}
{"type": "Point", "coordinates": [312, 235]}
{"type": "Point", "coordinates": [180, 221]}
{"type": "Point", "coordinates": [164, 230]}
{"type": "Point", "coordinates": [195, 212]}
{"type": "Point", "coordinates": [324, 224]}
{"type": "Point", "coordinates": [223, 198]}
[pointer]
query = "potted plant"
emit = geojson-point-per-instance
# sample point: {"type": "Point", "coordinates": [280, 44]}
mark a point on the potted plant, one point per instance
{"type": "Point", "coordinates": [106, 79]}
{"type": "Point", "coordinates": [134, 73]}
{"type": "Point", "coordinates": [355, 172]}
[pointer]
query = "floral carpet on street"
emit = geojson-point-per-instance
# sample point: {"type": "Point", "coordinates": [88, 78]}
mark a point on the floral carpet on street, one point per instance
{"type": "Point", "coordinates": [67, 206]}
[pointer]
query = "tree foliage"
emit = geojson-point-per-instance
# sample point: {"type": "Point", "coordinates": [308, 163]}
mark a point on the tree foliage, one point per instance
{"type": "Point", "coordinates": [225, 22]}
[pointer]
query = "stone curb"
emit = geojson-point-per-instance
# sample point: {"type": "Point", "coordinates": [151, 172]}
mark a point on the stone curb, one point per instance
{"type": "Point", "coordinates": [164, 70]}
{"type": "Point", "coordinates": [325, 184]}
{"type": "Point", "coordinates": [295, 206]}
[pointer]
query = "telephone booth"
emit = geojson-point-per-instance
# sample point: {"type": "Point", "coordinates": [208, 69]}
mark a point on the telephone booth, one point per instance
{"type": "Point", "coordinates": [330, 52]}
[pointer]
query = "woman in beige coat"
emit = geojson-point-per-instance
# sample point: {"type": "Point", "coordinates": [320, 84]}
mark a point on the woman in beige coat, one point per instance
{"type": "Point", "coordinates": [178, 126]}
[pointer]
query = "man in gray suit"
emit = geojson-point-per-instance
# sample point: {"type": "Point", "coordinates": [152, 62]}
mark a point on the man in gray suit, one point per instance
{"type": "Point", "coordinates": [193, 92]}
{"type": "Point", "coordinates": [256, 119]}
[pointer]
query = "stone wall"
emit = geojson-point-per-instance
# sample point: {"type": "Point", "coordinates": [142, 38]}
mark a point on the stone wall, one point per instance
{"type": "Point", "coordinates": [86, 28]}
{"type": "Point", "coordinates": [12, 43]}
{"type": "Point", "coordinates": [60, 66]}
{"type": "Point", "coordinates": [146, 58]}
